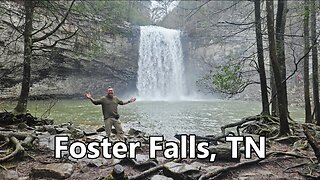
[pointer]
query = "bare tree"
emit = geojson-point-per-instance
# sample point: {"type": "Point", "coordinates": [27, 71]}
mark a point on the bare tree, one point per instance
{"type": "Point", "coordinates": [33, 41]}
{"type": "Point", "coordinates": [283, 113]}
{"type": "Point", "coordinates": [314, 55]}
{"type": "Point", "coordinates": [27, 35]}
{"type": "Point", "coordinates": [274, 99]}
{"type": "Point", "coordinates": [280, 31]}
{"type": "Point", "coordinates": [308, 117]}
{"type": "Point", "coordinates": [261, 69]}
{"type": "Point", "coordinates": [161, 9]}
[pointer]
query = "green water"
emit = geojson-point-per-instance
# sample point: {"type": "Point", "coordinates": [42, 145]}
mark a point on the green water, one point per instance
{"type": "Point", "coordinates": [169, 118]}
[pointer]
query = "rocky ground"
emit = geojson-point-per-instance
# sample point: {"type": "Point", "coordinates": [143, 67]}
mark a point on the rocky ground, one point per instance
{"type": "Point", "coordinates": [287, 158]}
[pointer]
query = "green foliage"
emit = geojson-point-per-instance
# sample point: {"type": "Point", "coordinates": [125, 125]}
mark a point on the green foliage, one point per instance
{"type": "Point", "coordinates": [228, 79]}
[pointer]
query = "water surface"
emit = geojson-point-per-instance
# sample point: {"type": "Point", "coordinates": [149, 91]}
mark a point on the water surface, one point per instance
{"type": "Point", "coordinates": [156, 117]}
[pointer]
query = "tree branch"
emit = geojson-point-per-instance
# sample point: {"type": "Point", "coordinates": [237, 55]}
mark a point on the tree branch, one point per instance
{"type": "Point", "coordinates": [55, 43]}
{"type": "Point", "coordinates": [302, 58]}
{"type": "Point", "coordinates": [13, 26]}
{"type": "Point", "coordinates": [56, 28]}
{"type": "Point", "coordinates": [45, 26]}
{"type": "Point", "coordinates": [238, 24]}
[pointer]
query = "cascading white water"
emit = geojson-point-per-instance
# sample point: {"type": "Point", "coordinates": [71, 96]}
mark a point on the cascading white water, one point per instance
{"type": "Point", "coordinates": [161, 68]}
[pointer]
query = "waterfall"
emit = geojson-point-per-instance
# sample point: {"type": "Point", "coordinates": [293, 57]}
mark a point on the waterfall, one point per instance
{"type": "Point", "coordinates": [161, 68]}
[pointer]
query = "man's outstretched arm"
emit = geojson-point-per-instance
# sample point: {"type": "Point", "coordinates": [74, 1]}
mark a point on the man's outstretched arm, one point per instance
{"type": "Point", "coordinates": [133, 99]}
{"type": "Point", "coordinates": [89, 96]}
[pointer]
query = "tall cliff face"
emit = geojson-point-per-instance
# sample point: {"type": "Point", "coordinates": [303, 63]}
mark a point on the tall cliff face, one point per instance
{"type": "Point", "coordinates": [69, 71]}
{"type": "Point", "coordinates": [209, 40]}
{"type": "Point", "coordinates": [96, 46]}
{"type": "Point", "coordinates": [222, 33]}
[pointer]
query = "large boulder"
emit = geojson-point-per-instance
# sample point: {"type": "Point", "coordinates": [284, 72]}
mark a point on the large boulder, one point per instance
{"type": "Point", "coordinates": [55, 171]}
{"type": "Point", "coordinates": [181, 171]}
{"type": "Point", "coordinates": [90, 162]}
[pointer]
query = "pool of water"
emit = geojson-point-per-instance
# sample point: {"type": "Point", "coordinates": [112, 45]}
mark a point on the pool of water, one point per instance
{"type": "Point", "coordinates": [154, 117]}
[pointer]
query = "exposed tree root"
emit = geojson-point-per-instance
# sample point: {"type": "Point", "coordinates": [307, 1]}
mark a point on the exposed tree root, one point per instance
{"type": "Point", "coordinates": [7, 118]}
{"type": "Point", "coordinates": [296, 166]}
{"type": "Point", "coordinates": [146, 173]}
{"type": "Point", "coordinates": [150, 171]}
{"type": "Point", "coordinates": [311, 171]}
{"type": "Point", "coordinates": [13, 138]}
{"type": "Point", "coordinates": [18, 135]}
{"type": "Point", "coordinates": [244, 120]}
{"type": "Point", "coordinates": [289, 154]}
{"type": "Point", "coordinates": [312, 141]}
{"type": "Point", "coordinates": [27, 142]}
{"type": "Point", "coordinates": [6, 141]}
{"type": "Point", "coordinates": [309, 176]}
{"type": "Point", "coordinates": [2, 167]}
{"type": "Point", "coordinates": [19, 150]}
{"type": "Point", "coordinates": [261, 125]}
{"type": "Point", "coordinates": [245, 163]}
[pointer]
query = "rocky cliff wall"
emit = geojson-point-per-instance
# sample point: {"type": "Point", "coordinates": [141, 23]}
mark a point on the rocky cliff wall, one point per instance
{"type": "Point", "coordinates": [209, 42]}
{"type": "Point", "coordinates": [69, 71]}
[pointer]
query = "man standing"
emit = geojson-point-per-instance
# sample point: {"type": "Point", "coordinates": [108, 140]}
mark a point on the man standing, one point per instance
{"type": "Point", "coordinates": [110, 111]}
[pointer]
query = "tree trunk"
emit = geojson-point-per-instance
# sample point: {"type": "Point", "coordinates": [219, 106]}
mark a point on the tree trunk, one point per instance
{"type": "Point", "coordinates": [274, 98]}
{"type": "Point", "coordinates": [283, 114]}
{"type": "Point", "coordinates": [306, 84]}
{"type": "Point", "coordinates": [315, 62]}
{"type": "Point", "coordinates": [262, 73]}
{"type": "Point", "coordinates": [280, 30]}
{"type": "Point", "coordinates": [23, 99]}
